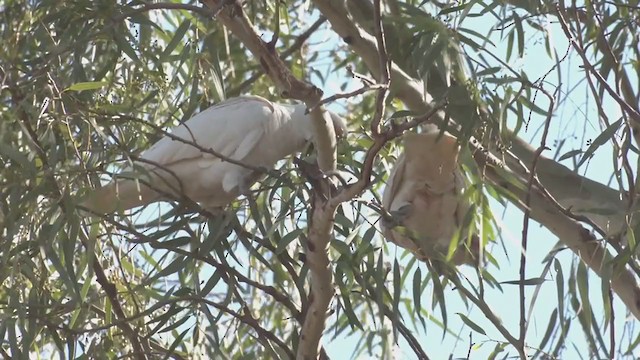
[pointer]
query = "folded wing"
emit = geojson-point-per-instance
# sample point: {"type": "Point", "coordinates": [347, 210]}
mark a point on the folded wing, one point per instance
{"type": "Point", "coordinates": [179, 164]}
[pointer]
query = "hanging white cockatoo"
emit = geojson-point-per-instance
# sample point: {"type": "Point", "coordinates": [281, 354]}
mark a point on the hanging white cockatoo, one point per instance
{"type": "Point", "coordinates": [424, 194]}
{"type": "Point", "coordinates": [248, 129]}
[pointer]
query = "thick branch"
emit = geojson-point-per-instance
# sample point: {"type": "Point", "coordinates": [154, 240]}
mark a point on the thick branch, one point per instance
{"type": "Point", "coordinates": [577, 238]}
{"type": "Point", "coordinates": [321, 279]}
{"type": "Point", "coordinates": [234, 18]}
{"type": "Point", "coordinates": [584, 196]}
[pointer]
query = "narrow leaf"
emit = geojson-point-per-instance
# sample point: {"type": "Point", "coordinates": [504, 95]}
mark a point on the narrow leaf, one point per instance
{"type": "Point", "coordinates": [90, 85]}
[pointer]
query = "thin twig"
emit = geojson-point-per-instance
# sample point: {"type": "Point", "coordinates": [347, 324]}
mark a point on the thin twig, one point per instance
{"type": "Point", "coordinates": [486, 310]}
{"type": "Point", "coordinates": [360, 91]}
{"type": "Point", "coordinates": [525, 226]}
{"type": "Point", "coordinates": [297, 44]}
{"type": "Point", "coordinates": [367, 168]}
{"type": "Point", "coordinates": [612, 328]}
{"type": "Point", "coordinates": [247, 319]}
{"type": "Point", "coordinates": [365, 79]}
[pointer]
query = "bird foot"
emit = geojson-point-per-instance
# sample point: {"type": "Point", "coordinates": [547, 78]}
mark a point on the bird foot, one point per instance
{"type": "Point", "coordinates": [398, 216]}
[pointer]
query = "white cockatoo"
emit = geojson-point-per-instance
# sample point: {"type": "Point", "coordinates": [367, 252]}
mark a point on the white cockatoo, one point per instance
{"type": "Point", "coordinates": [423, 193]}
{"type": "Point", "coordinates": [248, 129]}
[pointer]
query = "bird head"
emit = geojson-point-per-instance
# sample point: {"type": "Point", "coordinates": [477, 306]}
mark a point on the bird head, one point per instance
{"type": "Point", "coordinates": [302, 121]}
{"type": "Point", "coordinates": [432, 158]}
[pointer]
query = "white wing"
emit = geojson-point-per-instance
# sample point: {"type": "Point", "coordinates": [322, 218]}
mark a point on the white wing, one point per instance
{"type": "Point", "coordinates": [244, 129]}
{"type": "Point", "coordinates": [231, 128]}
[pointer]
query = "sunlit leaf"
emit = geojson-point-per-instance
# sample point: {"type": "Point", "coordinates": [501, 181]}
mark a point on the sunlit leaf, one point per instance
{"type": "Point", "coordinates": [92, 85]}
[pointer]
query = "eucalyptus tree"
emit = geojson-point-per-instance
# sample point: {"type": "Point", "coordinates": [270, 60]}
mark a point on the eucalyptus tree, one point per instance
{"type": "Point", "coordinates": [541, 97]}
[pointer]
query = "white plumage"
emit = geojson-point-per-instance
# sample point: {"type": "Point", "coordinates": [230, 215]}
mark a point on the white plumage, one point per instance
{"type": "Point", "coordinates": [249, 129]}
{"type": "Point", "coordinates": [424, 193]}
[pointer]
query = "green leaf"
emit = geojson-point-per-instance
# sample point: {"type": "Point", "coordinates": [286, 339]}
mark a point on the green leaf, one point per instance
{"type": "Point", "coordinates": [436, 50]}
{"type": "Point", "coordinates": [124, 46]}
{"type": "Point", "coordinates": [582, 277]}
{"type": "Point", "coordinates": [174, 243]}
{"type": "Point", "coordinates": [605, 136]}
{"type": "Point", "coordinates": [402, 114]}
{"type": "Point", "coordinates": [177, 265]}
{"type": "Point", "coordinates": [177, 38]}
{"type": "Point", "coordinates": [526, 282]}
{"type": "Point", "coordinates": [485, 39]}
{"type": "Point", "coordinates": [471, 324]}
{"type": "Point", "coordinates": [175, 343]}
{"type": "Point", "coordinates": [380, 288]}
{"type": "Point", "coordinates": [91, 85]}
{"type": "Point", "coordinates": [417, 294]}
{"type": "Point", "coordinates": [211, 283]}
{"type": "Point", "coordinates": [520, 31]}
{"type": "Point", "coordinates": [341, 247]}
{"type": "Point", "coordinates": [533, 107]}
{"type": "Point", "coordinates": [452, 9]}
{"type": "Point", "coordinates": [397, 293]}
{"type": "Point", "coordinates": [175, 324]}
{"type": "Point", "coordinates": [489, 71]}
{"type": "Point", "coordinates": [354, 322]}
{"type": "Point", "coordinates": [559, 286]}
{"type": "Point", "coordinates": [553, 318]}
{"type": "Point", "coordinates": [287, 239]}
{"type": "Point", "coordinates": [20, 159]}
{"type": "Point", "coordinates": [510, 38]}
{"type": "Point", "coordinates": [438, 294]}
{"type": "Point", "coordinates": [569, 154]}
{"type": "Point", "coordinates": [497, 350]}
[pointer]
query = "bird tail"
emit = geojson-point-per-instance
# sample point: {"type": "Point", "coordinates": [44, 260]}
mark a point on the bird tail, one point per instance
{"type": "Point", "coordinates": [117, 196]}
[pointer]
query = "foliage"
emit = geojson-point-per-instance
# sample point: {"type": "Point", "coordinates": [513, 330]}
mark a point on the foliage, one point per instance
{"type": "Point", "coordinates": [87, 85]}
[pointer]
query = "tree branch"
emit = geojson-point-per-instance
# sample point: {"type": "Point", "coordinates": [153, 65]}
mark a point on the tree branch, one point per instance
{"type": "Point", "coordinates": [321, 224]}
{"type": "Point", "coordinates": [575, 236]}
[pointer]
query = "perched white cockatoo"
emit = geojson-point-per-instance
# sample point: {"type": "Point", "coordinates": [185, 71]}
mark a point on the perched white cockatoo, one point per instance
{"type": "Point", "coordinates": [249, 129]}
{"type": "Point", "coordinates": [423, 193]}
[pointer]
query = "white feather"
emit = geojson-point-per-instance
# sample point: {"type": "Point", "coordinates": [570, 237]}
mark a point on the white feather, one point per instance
{"type": "Point", "coordinates": [249, 129]}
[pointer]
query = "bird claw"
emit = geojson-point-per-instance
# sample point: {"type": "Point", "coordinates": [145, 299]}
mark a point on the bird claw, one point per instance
{"type": "Point", "coordinates": [402, 212]}
{"type": "Point", "coordinates": [396, 217]}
